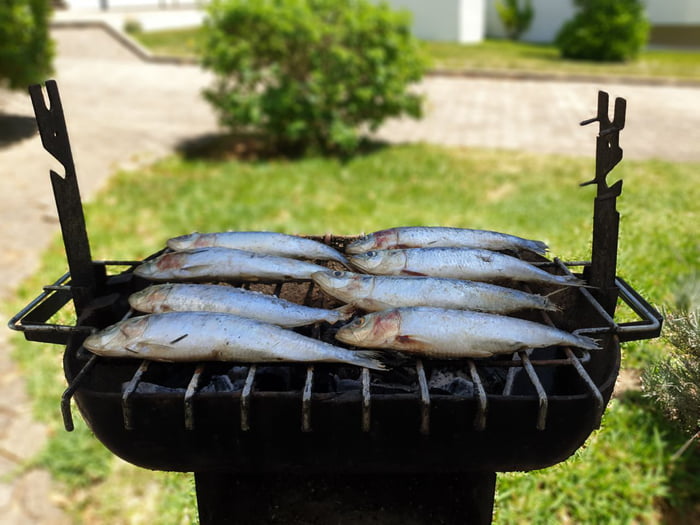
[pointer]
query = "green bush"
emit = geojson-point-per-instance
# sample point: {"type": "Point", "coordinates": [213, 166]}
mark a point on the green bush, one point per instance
{"type": "Point", "coordinates": [26, 51]}
{"type": "Point", "coordinates": [310, 73]}
{"type": "Point", "coordinates": [516, 19]}
{"type": "Point", "coordinates": [604, 30]}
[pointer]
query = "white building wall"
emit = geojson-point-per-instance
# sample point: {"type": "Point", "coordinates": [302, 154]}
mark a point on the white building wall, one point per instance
{"type": "Point", "coordinates": [550, 15]}
{"type": "Point", "coordinates": [451, 20]}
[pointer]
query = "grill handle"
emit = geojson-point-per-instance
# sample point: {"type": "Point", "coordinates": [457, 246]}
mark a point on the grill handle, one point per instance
{"type": "Point", "coordinates": [650, 325]}
{"type": "Point", "coordinates": [31, 320]}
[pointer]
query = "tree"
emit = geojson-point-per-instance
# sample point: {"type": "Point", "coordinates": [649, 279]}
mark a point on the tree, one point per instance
{"type": "Point", "coordinates": [516, 19]}
{"type": "Point", "coordinates": [604, 30]}
{"type": "Point", "coordinates": [26, 50]}
{"type": "Point", "coordinates": [310, 73]}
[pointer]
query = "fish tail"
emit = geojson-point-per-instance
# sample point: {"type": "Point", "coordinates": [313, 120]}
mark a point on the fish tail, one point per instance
{"type": "Point", "coordinates": [571, 280]}
{"type": "Point", "coordinates": [538, 247]}
{"type": "Point", "coordinates": [369, 359]}
{"type": "Point", "coordinates": [587, 342]}
{"type": "Point", "coordinates": [343, 313]}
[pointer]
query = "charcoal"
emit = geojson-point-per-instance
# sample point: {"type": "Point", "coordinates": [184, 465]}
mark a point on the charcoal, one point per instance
{"type": "Point", "coordinates": [152, 388]}
{"type": "Point", "coordinates": [461, 387]}
{"type": "Point", "coordinates": [348, 385]}
{"type": "Point", "coordinates": [219, 384]}
{"type": "Point", "coordinates": [381, 387]}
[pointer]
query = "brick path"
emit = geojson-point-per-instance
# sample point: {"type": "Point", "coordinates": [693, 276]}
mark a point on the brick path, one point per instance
{"type": "Point", "coordinates": [122, 112]}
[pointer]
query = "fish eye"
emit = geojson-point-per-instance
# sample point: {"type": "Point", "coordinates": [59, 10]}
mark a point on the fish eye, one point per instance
{"type": "Point", "coordinates": [338, 273]}
{"type": "Point", "coordinates": [371, 254]}
{"type": "Point", "coordinates": [357, 323]}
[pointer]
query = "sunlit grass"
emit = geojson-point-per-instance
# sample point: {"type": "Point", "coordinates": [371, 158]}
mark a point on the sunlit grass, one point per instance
{"type": "Point", "coordinates": [529, 195]}
{"type": "Point", "coordinates": [490, 55]}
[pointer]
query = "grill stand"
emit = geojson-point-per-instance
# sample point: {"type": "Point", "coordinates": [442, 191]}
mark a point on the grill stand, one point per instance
{"type": "Point", "coordinates": [223, 497]}
{"type": "Point", "coordinates": [233, 497]}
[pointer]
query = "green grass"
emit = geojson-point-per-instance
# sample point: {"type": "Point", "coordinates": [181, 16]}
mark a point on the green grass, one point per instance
{"type": "Point", "coordinates": [544, 58]}
{"type": "Point", "coordinates": [498, 55]}
{"type": "Point", "coordinates": [622, 475]}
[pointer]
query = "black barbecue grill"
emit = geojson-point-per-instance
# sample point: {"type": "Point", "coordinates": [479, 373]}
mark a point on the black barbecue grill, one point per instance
{"type": "Point", "coordinates": [226, 422]}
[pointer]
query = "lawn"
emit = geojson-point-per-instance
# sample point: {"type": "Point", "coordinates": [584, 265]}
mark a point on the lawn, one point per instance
{"type": "Point", "coordinates": [624, 474]}
{"type": "Point", "coordinates": [490, 55]}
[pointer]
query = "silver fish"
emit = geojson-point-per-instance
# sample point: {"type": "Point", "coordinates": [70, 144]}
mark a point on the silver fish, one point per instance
{"type": "Point", "coordinates": [437, 236]}
{"type": "Point", "coordinates": [451, 334]}
{"type": "Point", "coordinates": [206, 336]}
{"type": "Point", "coordinates": [162, 298]}
{"type": "Point", "coordinates": [271, 243]}
{"type": "Point", "coordinates": [381, 292]}
{"type": "Point", "coordinates": [224, 264]}
{"type": "Point", "coordinates": [456, 263]}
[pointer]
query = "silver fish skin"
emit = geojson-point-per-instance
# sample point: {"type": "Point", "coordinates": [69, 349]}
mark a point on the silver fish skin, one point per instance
{"type": "Point", "coordinates": [451, 334]}
{"type": "Point", "coordinates": [161, 298]}
{"type": "Point", "coordinates": [438, 236]}
{"type": "Point", "coordinates": [206, 336]}
{"type": "Point", "coordinates": [271, 243]}
{"type": "Point", "coordinates": [381, 292]}
{"type": "Point", "coordinates": [225, 264]}
{"type": "Point", "coordinates": [456, 263]}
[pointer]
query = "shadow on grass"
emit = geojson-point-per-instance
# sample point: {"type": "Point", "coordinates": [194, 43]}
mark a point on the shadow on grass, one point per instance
{"type": "Point", "coordinates": [14, 128]}
{"type": "Point", "coordinates": [683, 473]}
{"type": "Point", "coordinates": [255, 147]}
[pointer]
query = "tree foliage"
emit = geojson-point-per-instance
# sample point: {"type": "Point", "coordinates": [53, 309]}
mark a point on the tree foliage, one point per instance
{"type": "Point", "coordinates": [516, 19]}
{"type": "Point", "coordinates": [26, 50]}
{"type": "Point", "coordinates": [310, 73]}
{"type": "Point", "coordinates": [604, 30]}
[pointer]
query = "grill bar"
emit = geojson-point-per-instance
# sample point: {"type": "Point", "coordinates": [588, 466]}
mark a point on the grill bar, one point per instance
{"type": "Point", "coordinates": [482, 402]}
{"type": "Point", "coordinates": [129, 390]}
{"type": "Point", "coordinates": [189, 394]}
{"type": "Point", "coordinates": [245, 398]}
{"type": "Point", "coordinates": [424, 398]}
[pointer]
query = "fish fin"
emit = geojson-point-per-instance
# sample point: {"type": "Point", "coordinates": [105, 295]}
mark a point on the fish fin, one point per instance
{"type": "Point", "coordinates": [345, 312]}
{"type": "Point", "coordinates": [412, 342]}
{"type": "Point", "coordinates": [370, 359]}
{"type": "Point", "coordinates": [411, 272]}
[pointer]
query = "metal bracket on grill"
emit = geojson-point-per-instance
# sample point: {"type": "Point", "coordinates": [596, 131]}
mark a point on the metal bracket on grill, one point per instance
{"type": "Point", "coordinates": [54, 137]}
{"type": "Point", "coordinates": [606, 219]}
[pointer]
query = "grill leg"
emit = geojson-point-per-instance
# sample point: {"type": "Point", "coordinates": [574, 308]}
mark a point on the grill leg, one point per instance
{"type": "Point", "coordinates": [409, 499]}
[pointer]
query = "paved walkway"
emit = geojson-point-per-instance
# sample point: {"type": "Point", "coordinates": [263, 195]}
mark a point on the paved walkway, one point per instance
{"type": "Point", "coordinates": [124, 112]}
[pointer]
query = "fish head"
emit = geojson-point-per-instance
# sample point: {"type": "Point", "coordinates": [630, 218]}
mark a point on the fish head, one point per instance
{"type": "Point", "coordinates": [379, 261]}
{"type": "Point", "coordinates": [115, 339]}
{"type": "Point", "coordinates": [374, 330]}
{"type": "Point", "coordinates": [165, 266]}
{"type": "Point", "coordinates": [191, 240]}
{"type": "Point", "coordinates": [150, 299]}
{"type": "Point", "coordinates": [381, 240]}
{"type": "Point", "coordinates": [339, 281]}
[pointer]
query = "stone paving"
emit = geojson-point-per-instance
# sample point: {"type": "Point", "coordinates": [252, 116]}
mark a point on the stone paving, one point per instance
{"type": "Point", "coordinates": [124, 112]}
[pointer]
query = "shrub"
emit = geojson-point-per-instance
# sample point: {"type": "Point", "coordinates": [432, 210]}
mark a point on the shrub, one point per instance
{"type": "Point", "coordinates": [516, 19]}
{"type": "Point", "coordinates": [26, 51]}
{"type": "Point", "coordinates": [310, 73]}
{"type": "Point", "coordinates": [604, 30]}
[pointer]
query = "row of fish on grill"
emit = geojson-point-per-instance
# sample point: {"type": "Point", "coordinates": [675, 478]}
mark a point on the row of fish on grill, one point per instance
{"type": "Point", "coordinates": [428, 291]}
